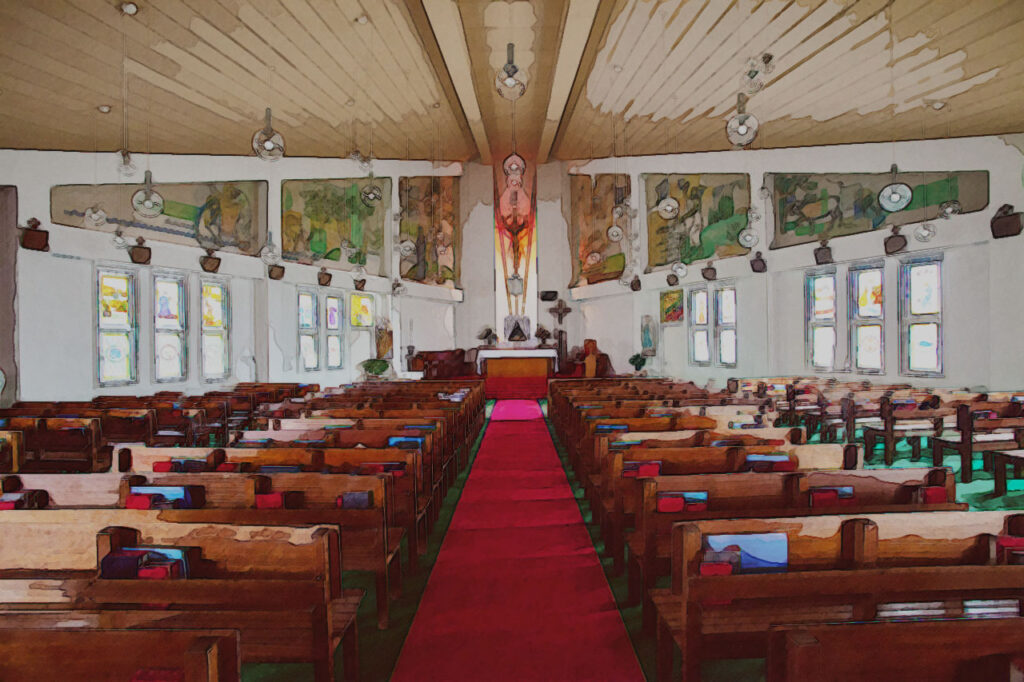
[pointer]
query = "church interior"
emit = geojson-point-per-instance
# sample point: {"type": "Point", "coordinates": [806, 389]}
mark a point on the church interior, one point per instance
{"type": "Point", "coordinates": [511, 340]}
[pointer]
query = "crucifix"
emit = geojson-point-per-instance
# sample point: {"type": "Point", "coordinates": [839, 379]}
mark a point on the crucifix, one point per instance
{"type": "Point", "coordinates": [560, 311]}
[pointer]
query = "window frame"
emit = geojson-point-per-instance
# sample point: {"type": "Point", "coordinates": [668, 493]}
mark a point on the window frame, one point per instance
{"type": "Point", "coordinates": [811, 324]}
{"type": "Point", "coordinates": [182, 333]}
{"type": "Point", "coordinates": [720, 327]}
{"type": "Point", "coordinates": [310, 332]}
{"type": "Point", "coordinates": [132, 329]}
{"type": "Point", "coordinates": [224, 331]}
{"type": "Point", "coordinates": [338, 333]}
{"type": "Point", "coordinates": [693, 327]}
{"type": "Point", "coordinates": [855, 320]}
{"type": "Point", "coordinates": [907, 319]}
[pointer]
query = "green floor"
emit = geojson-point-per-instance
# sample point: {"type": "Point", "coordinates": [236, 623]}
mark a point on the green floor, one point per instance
{"type": "Point", "coordinates": [379, 649]}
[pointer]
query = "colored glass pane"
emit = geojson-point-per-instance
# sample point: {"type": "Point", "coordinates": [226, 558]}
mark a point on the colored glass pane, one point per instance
{"type": "Point", "coordinates": [925, 292]}
{"type": "Point", "coordinates": [823, 347]}
{"type": "Point", "coordinates": [924, 347]}
{"type": "Point", "coordinates": [869, 346]}
{"type": "Point", "coordinates": [824, 297]}
{"type": "Point", "coordinates": [869, 293]}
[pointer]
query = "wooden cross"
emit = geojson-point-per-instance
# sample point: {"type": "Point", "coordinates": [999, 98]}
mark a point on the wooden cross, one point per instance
{"type": "Point", "coordinates": [560, 310]}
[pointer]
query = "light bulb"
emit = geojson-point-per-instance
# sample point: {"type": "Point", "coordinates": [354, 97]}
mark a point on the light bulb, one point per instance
{"type": "Point", "coordinates": [894, 197]}
{"type": "Point", "coordinates": [742, 129]}
{"type": "Point", "coordinates": [148, 203]}
{"type": "Point", "coordinates": [268, 145]}
{"type": "Point", "coordinates": [510, 82]}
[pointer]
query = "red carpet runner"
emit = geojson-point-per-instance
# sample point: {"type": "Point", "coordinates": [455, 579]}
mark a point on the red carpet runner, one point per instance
{"type": "Point", "coordinates": [517, 592]}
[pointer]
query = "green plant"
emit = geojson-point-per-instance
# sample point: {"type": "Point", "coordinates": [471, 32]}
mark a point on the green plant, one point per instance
{"type": "Point", "coordinates": [375, 366]}
{"type": "Point", "coordinates": [638, 361]}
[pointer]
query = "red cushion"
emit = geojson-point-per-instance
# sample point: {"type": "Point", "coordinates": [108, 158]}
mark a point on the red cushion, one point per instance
{"type": "Point", "coordinates": [934, 494]}
{"type": "Point", "coordinates": [229, 466]}
{"type": "Point", "coordinates": [671, 503]}
{"type": "Point", "coordinates": [270, 501]}
{"type": "Point", "coordinates": [7, 505]}
{"type": "Point", "coordinates": [649, 469]}
{"type": "Point", "coordinates": [696, 506]}
{"type": "Point", "coordinates": [784, 466]}
{"type": "Point", "coordinates": [163, 467]}
{"type": "Point", "coordinates": [824, 498]}
{"type": "Point", "coordinates": [138, 502]}
{"type": "Point", "coordinates": [162, 572]}
{"type": "Point", "coordinates": [715, 568]}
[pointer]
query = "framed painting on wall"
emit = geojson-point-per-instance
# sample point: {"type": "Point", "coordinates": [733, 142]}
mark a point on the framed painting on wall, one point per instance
{"type": "Point", "coordinates": [694, 216]}
{"type": "Point", "coordinates": [673, 306]}
{"type": "Point", "coordinates": [338, 223]}
{"type": "Point", "coordinates": [226, 216]}
{"type": "Point", "coordinates": [599, 227]}
{"type": "Point", "coordinates": [811, 207]}
{"type": "Point", "coordinates": [430, 232]}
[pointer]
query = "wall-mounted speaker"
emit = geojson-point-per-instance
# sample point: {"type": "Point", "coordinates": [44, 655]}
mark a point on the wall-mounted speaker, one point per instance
{"type": "Point", "coordinates": [1005, 223]}
{"type": "Point", "coordinates": [33, 238]}
{"type": "Point", "coordinates": [209, 262]}
{"type": "Point", "coordinates": [324, 278]}
{"type": "Point", "coordinates": [823, 254]}
{"type": "Point", "coordinates": [548, 295]}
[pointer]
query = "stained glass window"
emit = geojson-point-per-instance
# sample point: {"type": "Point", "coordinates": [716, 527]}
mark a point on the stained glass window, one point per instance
{"type": "Point", "coordinates": [868, 342]}
{"type": "Point", "coordinates": [361, 310]}
{"type": "Point", "coordinates": [866, 313]}
{"type": "Point", "coordinates": [712, 326]}
{"type": "Point", "coordinates": [334, 319]}
{"type": "Point", "coordinates": [309, 332]}
{"type": "Point", "coordinates": [924, 347]}
{"type": "Point", "coordinates": [116, 345]}
{"type": "Point", "coordinates": [216, 331]}
{"type": "Point", "coordinates": [823, 347]}
{"type": "Point", "coordinates": [824, 296]}
{"type": "Point", "coordinates": [725, 328]}
{"type": "Point", "coordinates": [334, 356]}
{"type": "Point", "coordinates": [169, 324]}
{"type": "Point", "coordinates": [821, 320]}
{"type": "Point", "coordinates": [921, 317]}
{"type": "Point", "coordinates": [701, 348]}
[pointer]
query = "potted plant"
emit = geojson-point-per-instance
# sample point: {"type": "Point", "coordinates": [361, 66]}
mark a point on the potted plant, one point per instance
{"type": "Point", "coordinates": [638, 361]}
{"type": "Point", "coordinates": [374, 368]}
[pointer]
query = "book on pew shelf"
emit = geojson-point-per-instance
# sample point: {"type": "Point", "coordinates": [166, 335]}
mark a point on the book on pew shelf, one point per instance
{"type": "Point", "coordinates": [673, 501]}
{"type": "Point", "coordinates": [230, 467]}
{"type": "Point", "coordinates": [279, 469]}
{"type": "Point", "coordinates": [356, 500]}
{"type": "Point", "coordinates": [760, 463]}
{"type": "Point", "coordinates": [641, 469]}
{"type": "Point", "coordinates": [930, 494]}
{"type": "Point", "coordinates": [755, 552]}
{"type": "Point", "coordinates": [405, 442]}
{"type": "Point", "coordinates": [604, 428]}
{"type": "Point", "coordinates": [25, 499]}
{"type": "Point", "coordinates": [168, 497]}
{"type": "Point", "coordinates": [625, 443]}
{"type": "Point", "coordinates": [155, 556]}
{"type": "Point", "coordinates": [831, 496]}
{"type": "Point", "coordinates": [280, 499]}
{"type": "Point", "coordinates": [1007, 544]}
{"type": "Point", "coordinates": [421, 427]}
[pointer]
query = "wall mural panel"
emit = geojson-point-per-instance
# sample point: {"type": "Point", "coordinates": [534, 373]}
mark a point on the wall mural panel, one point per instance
{"type": "Point", "coordinates": [694, 217]}
{"type": "Point", "coordinates": [430, 234]}
{"type": "Point", "coordinates": [226, 216]}
{"type": "Point", "coordinates": [811, 207]}
{"type": "Point", "coordinates": [599, 227]}
{"type": "Point", "coordinates": [338, 223]}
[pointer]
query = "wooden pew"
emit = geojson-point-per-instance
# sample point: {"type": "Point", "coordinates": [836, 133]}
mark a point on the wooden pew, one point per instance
{"type": "Point", "coordinates": [770, 495]}
{"type": "Point", "coordinates": [953, 650]}
{"type": "Point", "coordinates": [279, 586]}
{"type": "Point", "coordinates": [48, 645]}
{"type": "Point", "coordinates": [372, 537]}
{"type": "Point", "coordinates": [60, 444]}
{"type": "Point", "coordinates": [837, 569]}
{"type": "Point", "coordinates": [909, 419]}
{"type": "Point", "coordinates": [976, 432]}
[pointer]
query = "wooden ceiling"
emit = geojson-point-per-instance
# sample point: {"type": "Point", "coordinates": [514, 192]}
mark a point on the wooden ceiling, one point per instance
{"type": "Point", "coordinates": [415, 78]}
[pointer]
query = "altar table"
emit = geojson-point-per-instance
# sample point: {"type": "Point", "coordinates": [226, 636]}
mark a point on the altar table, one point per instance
{"type": "Point", "coordinates": [513, 373]}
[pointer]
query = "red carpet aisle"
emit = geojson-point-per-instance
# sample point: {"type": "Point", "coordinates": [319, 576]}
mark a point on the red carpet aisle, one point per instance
{"type": "Point", "coordinates": [517, 592]}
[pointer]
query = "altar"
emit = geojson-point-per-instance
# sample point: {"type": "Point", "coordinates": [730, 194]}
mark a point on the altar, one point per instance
{"type": "Point", "coordinates": [516, 373]}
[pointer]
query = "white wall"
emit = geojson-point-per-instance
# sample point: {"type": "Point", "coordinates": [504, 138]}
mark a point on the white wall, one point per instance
{"type": "Point", "coordinates": [982, 277]}
{"type": "Point", "coordinates": [56, 290]}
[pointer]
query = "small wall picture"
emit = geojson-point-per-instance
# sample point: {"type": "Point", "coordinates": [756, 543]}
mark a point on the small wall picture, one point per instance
{"type": "Point", "coordinates": [672, 306]}
{"type": "Point", "coordinates": [361, 307]}
{"type": "Point", "coordinates": [648, 337]}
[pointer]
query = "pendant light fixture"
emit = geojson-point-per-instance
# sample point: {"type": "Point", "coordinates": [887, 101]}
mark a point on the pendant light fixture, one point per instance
{"type": "Point", "coordinates": [897, 195]}
{"type": "Point", "coordinates": [267, 142]}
